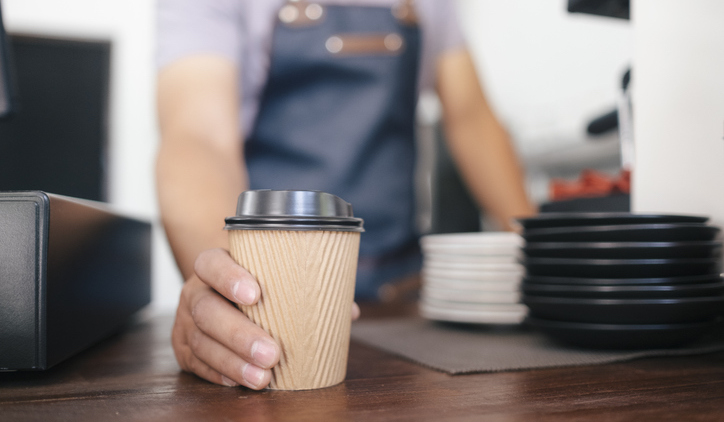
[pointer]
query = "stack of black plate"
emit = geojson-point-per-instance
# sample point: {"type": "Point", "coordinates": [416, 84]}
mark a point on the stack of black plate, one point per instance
{"type": "Point", "coordinates": [621, 280]}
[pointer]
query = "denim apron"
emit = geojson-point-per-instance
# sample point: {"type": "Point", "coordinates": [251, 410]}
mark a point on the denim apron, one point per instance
{"type": "Point", "coordinates": [337, 115]}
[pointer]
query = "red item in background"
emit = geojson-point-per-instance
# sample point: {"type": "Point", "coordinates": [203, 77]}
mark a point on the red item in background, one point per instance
{"type": "Point", "coordinates": [591, 183]}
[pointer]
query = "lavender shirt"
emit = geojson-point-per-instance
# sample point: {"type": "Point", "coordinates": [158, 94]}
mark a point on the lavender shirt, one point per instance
{"type": "Point", "coordinates": [241, 30]}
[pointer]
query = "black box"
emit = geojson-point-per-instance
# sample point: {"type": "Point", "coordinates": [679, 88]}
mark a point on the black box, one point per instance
{"type": "Point", "coordinates": [72, 272]}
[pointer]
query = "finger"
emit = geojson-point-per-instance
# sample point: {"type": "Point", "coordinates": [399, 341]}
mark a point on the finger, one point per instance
{"type": "Point", "coordinates": [227, 325]}
{"type": "Point", "coordinates": [217, 268]}
{"type": "Point", "coordinates": [230, 367]}
{"type": "Point", "coordinates": [355, 311]}
{"type": "Point", "coordinates": [184, 354]}
{"type": "Point", "coordinates": [202, 370]}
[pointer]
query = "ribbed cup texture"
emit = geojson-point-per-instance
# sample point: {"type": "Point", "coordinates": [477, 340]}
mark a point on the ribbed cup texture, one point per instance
{"type": "Point", "coordinates": [307, 288]}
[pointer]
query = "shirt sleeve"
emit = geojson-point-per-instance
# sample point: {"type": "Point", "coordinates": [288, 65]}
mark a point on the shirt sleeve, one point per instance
{"type": "Point", "coordinates": [440, 33]}
{"type": "Point", "coordinates": [188, 27]}
{"type": "Point", "coordinates": [448, 34]}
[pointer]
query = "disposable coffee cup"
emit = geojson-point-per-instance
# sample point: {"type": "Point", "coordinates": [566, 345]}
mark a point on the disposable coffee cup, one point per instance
{"type": "Point", "coordinates": [303, 248]}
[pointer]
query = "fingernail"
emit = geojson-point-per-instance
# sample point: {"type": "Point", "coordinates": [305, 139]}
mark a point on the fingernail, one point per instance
{"type": "Point", "coordinates": [243, 293]}
{"type": "Point", "coordinates": [228, 382]}
{"type": "Point", "coordinates": [252, 374]}
{"type": "Point", "coordinates": [264, 353]}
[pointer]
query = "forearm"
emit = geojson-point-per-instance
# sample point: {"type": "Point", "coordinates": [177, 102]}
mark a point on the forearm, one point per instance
{"type": "Point", "coordinates": [480, 145]}
{"type": "Point", "coordinates": [199, 169]}
{"type": "Point", "coordinates": [197, 189]}
{"type": "Point", "coordinates": [489, 165]}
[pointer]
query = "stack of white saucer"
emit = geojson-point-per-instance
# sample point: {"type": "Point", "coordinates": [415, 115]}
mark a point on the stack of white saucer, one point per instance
{"type": "Point", "coordinates": [472, 277]}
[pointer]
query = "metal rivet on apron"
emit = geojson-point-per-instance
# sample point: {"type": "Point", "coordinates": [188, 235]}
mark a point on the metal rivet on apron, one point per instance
{"type": "Point", "coordinates": [288, 13]}
{"type": "Point", "coordinates": [405, 13]}
{"type": "Point", "coordinates": [334, 44]}
{"type": "Point", "coordinates": [393, 42]}
{"type": "Point", "coordinates": [400, 12]}
{"type": "Point", "coordinates": [314, 11]}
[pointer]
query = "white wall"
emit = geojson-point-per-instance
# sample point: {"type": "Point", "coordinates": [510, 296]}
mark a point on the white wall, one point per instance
{"type": "Point", "coordinates": [679, 107]}
{"type": "Point", "coordinates": [129, 25]}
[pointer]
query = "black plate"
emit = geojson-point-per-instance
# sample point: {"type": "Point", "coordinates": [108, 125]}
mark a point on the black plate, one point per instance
{"type": "Point", "coordinates": [580, 281]}
{"type": "Point", "coordinates": [675, 232]}
{"type": "Point", "coordinates": [561, 219]}
{"type": "Point", "coordinates": [625, 311]}
{"type": "Point", "coordinates": [657, 291]}
{"type": "Point", "coordinates": [622, 337]}
{"type": "Point", "coordinates": [623, 250]}
{"type": "Point", "coordinates": [621, 268]}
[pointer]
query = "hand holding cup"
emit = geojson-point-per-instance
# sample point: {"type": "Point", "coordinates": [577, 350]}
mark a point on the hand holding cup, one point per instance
{"type": "Point", "coordinates": [211, 337]}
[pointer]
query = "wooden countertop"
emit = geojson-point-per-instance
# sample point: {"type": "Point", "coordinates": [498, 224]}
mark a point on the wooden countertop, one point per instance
{"type": "Point", "coordinates": [134, 376]}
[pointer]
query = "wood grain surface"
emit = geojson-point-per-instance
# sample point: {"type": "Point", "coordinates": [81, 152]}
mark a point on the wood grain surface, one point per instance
{"type": "Point", "coordinates": [133, 376]}
{"type": "Point", "coordinates": [305, 302]}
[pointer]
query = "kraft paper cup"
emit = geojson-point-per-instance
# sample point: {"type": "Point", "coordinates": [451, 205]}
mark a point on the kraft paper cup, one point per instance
{"type": "Point", "coordinates": [303, 248]}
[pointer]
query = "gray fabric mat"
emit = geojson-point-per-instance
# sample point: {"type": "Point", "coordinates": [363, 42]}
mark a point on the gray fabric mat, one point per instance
{"type": "Point", "coordinates": [460, 349]}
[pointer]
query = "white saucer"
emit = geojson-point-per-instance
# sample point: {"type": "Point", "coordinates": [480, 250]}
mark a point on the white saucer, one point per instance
{"type": "Point", "coordinates": [460, 249]}
{"type": "Point", "coordinates": [432, 293]}
{"type": "Point", "coordinates": [474, 307]}
{"type": "Point", "coordinates": [476, 238]}
{"type": "Point", "coordinates": [474, 317]}
{"type": "Point", "coordinates": [486, 267]}
{"type": "Point", "coordinates": [465, 260]}
{"type": "Point", "coordinates": [446, 274]}
{"type": "Point", "coordinates": [473, 286]}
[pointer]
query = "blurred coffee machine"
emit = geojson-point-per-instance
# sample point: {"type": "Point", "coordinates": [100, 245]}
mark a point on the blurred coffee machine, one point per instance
{"type": "Point", "coordinates": [677, 105]}
{"type": "Point", "coordinates": [594, 191]}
